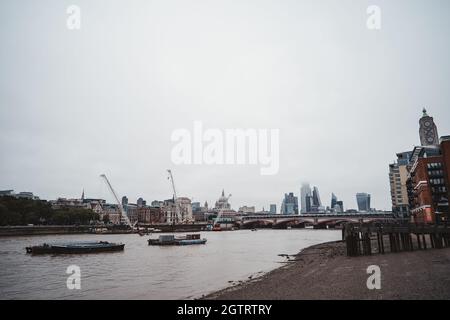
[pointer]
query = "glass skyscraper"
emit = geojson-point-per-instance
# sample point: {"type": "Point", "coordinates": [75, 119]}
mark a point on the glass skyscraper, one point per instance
{"type": "Point", "coordinates": [363, 200]}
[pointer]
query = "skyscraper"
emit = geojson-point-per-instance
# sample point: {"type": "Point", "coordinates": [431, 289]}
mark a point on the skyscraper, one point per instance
{"type": "Point", "coordinates": [334, 200]}
{"type": "Point", "coordinates": [305, 198]}
{"type": "Point", "coordinates": [363, 200]}
{"type": "Point", "coordinates": [316, 197]}
{"type": "Point", "coordinates": [290, 204]}
{"type": "Point", "coordinates": [273, 209]}
{"type": "Point", "coordinates": [339, 207]}
{"type": "Point", "coordinates": [428, 130]}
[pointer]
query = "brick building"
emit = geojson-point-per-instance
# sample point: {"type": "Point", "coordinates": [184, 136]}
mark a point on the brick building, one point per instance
{"type": "Point", "coordinates": [428, 183]}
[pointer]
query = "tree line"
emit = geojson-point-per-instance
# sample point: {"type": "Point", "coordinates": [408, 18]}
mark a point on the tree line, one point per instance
{"type": "Point", "coordinates": [18, 211]}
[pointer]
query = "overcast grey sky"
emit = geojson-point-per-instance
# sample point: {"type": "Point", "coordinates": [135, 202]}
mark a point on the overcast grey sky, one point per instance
{"type": "Point", "coordinates": [106, 98]}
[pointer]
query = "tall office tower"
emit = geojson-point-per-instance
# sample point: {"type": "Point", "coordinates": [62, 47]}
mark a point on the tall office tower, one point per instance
{"type": "Point", "coordinates": [308, 201]}
{"type": "Point", "coordinates": [398, 176]}
{"type": "Point", "coordinates": [305, 198]}
{"type": "Point", "coordinates": [339, 207]}
{"type": "Point", "coordinates": [363, 200]}
{"type": "Point", "coordinates": [124, 201]}
{"type": "Point", "coordinates": [334, 200]}
{"type": "Point", "coordinates": [273, 209]}
{"type": "Point", "coordinates": [290, 204]}
{"type": "Point", "coordinates": [428, 131]}
{"type": "Point", "coordinates": [316, 197]}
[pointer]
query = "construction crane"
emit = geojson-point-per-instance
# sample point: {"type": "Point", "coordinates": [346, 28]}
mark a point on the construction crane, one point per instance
{"type": "Point", "coordinates": [175, 198]}
{"type": "Point", "coordinates": [123, 216]}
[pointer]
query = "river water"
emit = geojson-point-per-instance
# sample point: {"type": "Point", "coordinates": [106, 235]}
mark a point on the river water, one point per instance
{"type": "Point", "coordinates": [149, 272]}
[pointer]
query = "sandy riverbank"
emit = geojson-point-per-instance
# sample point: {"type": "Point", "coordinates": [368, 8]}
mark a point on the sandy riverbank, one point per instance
{"type": "Point", "coordinates": [325, 272]}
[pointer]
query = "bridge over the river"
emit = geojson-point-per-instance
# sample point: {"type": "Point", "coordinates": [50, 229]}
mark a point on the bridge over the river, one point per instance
{"type": "Point", "coordinates": [318, 221]}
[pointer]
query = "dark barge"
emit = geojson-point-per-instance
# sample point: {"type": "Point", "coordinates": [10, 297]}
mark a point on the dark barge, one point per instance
{"type": "Point", "coordinates": [76, 247]}
{"type": "Point", "coordinates": [171, 240]}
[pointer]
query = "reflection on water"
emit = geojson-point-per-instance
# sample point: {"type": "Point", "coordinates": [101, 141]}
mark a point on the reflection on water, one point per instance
{"type": "Point", "coordinates": [148, 272]}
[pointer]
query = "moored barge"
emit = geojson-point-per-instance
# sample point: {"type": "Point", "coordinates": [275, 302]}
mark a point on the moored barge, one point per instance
{"type": "Point", "coordinates": [171, 240]}
{"type": "Point", "coordinates": [76, 247]}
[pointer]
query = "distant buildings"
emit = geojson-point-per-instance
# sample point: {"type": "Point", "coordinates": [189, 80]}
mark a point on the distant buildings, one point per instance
{"type": "Point", "coordinates": [273, 209]}
{"type": "Point", "coordinates": [290, 204]}
{"type": "Point", "coordinates": [305, 198]}
{"type": "Point", "coordinates": [363, 201]}
{"type": "Point", "coordinates": [195, 207]}
{"type": "Point", "coordinates": [310, 200]}
{"type": "Point", "coordinates": [246, 210]}
{"type": "Point", "coordinates": [398, 174]}
{"type": "Point", "coordinates": [316, 205]}
{"type": "Point", "coordinates": [336, 205]}
{"type": "Point", "coordinates": [22, 195]}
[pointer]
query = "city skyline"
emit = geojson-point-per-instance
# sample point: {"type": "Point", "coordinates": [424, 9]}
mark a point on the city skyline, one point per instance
{"type": "Point", "coordinates": [66, 117]}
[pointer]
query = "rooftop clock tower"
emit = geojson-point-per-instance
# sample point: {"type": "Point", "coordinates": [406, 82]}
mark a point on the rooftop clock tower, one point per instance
{"type": "Point", "coordinates": [428, 131]}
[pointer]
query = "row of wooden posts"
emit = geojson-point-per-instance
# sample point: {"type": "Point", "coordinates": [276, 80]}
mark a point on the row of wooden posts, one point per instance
{"type": "Point", "coordinates": [366, 239]}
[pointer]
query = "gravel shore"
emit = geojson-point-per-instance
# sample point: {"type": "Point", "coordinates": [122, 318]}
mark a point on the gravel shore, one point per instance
{"type": "Point", "coordinates": [325, 272]}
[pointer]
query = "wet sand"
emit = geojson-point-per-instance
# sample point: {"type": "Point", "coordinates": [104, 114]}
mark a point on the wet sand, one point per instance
{"type": "Point", "coordinates": [325, 272]}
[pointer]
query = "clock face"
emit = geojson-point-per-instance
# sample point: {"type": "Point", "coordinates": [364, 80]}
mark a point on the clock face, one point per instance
{"type": "Point", "coordinates": [430, 139]}
{"type": "Point", "coordinates": [427, 123]}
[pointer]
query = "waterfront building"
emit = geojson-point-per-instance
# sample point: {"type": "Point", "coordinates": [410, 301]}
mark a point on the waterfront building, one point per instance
{"type": "Point", "coordinates": [273, 209]}
{"type": "Point", "coordinates": [111, 212]}
{"type": "Point", "coordinates": [131, 211]}
{"type": "Point", "coordinates": [305, 198]}
{"type": "Point", "coordinates": [185, 208]}
{"type": "Point", "coordinates": [398, 175]}
{"type": "Point", "coordinates": [169, 210]}
{"type": "Point", "coordinates": [150, 215]}
{"type": "Point", "coordinates": [428, 183]}
{"type": "Point", "coordinates": [427, 130]}
{"type": "Point", "coordinates": [246, 210]}
{"type": "Point", "coordinates": [290, 204]}
{"type": "Point", "coordinates": [363, 201]}
{"type": "Point", "coordinates": [62, 203]}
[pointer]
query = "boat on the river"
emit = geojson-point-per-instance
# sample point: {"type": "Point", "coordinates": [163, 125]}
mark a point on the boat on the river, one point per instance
{"type": "Point", "coordinates": [171, 240]}
{"type": "Point", "coordinates": [76, 247]}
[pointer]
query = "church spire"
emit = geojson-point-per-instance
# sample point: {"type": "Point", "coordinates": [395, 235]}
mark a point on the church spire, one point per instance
{"type": "Point", "coordinates": [82, 195]}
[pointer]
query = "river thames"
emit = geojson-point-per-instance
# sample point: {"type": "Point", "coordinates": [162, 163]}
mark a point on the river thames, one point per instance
{"type": "Point", "coordinates": [149, 272]}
